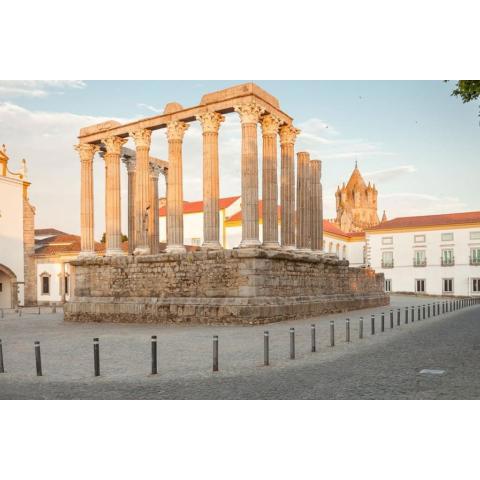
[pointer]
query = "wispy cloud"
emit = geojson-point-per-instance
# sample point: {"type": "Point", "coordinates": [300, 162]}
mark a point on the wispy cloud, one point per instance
{"type": "Point", "coordinates": [37, 88]}
{"type": "Point", "coordinates": [150, 107]}
{"type": "Point", "coordinates": [389, 173]}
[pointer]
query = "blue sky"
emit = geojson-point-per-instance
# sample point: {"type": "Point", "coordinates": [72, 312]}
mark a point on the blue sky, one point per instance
{"type": "Point", "coordinates": [417, 143]}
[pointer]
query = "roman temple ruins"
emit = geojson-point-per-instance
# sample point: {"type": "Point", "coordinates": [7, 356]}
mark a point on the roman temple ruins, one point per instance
{"type": "Point", "coordinates": [285, 276]}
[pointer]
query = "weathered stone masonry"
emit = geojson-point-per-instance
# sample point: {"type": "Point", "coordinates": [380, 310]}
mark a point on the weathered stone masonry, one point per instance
{"type": "Point", "coordinates": [219, 287]}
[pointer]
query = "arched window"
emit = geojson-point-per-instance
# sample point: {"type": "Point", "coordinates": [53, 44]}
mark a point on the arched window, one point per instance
{"type": "Point", "coordinates": [45, 283]}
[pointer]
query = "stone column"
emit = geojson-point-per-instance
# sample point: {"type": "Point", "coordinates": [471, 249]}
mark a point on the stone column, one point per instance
{"type": "Point", "coordinates": [130, 164]}
{"type": "Point", "coordinates": [62, 281]}
{"type": "Point", "coordinates": [113, 219]}
{"type": "Point", "coordinates": [142, 140]}
{"type": "Point", "coordinates": [288, 135]}
{"type": "Point", "coordinates": [154, 220]}
{"type": "Point", "coordinates": [211, 185]}
{"type": "Point", "coordinates": [317, 206]}
{"type": "Point", "coordinates": [87, 241]}
{"type": "Point", "coordinates": [303, 201]}
{"type": "Point", "coordinates": [249, 116]}
{"type": "Point", "coordinates": [270, 125]}
{"type": "Point", "coordinates": [175, 132]}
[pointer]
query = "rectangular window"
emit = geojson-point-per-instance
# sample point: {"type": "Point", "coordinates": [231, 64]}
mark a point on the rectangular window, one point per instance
{"type": "Point", "coordinates": [447, 285]}
{"type": "Point", "coordinates": [447, 237]}
{"type": "Point", "coordinates": [474, 235]}
{"type": "Point", "coordinates": [420, 285]}
{"type": "Point", "coordinates": [66, 285]}
{"type": "Point", "coordinates": [45, 285]}
{"type": "Point", "coordinates": [419, 258]}
{"type": "Point", "coordinates": [419, 238]}
{"type": "Point", "coordinates": [387, 240]}
{"type": "Point", "coordinates": [388, 285]}
{"type": "Point", "coordinates": [476, 285]}
{"type": "Point", "coordinates": [387, 259]}
{"type": "Point", "coordinates": [475, 256]}
{"type": "Point", "coordinates": [447, 257]}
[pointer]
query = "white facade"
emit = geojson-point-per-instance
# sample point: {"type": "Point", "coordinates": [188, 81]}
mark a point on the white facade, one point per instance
{"type": "Point", "coordinates": [11, 236]}
{"type": "Point", "coordinates": [49, 281]}
{"type": "Point", "coordinates": [443, 260]}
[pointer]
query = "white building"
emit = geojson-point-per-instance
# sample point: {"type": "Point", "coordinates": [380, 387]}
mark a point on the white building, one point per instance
{"type": "Point", "coordinates": [16, 237]}
{"type": "Point", "coordinates": [432, 254]}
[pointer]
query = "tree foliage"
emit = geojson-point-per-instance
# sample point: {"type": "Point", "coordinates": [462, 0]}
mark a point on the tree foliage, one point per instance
{"type": "Point", "coordinates": [467, 90]}
{"type": "Point", "coordinates": [103, 239]}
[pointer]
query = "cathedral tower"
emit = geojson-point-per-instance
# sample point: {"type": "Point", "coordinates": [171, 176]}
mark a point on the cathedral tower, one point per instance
{"type": "Point", "coordinates": [356, 204]}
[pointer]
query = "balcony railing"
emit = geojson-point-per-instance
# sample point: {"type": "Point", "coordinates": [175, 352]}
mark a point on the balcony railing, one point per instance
{"type": "Point", "coordinates": [447, 262]}
{"type": "Point", "coordinates": [387, 263]}
{"type": "Point", "coordinates": [474, 261]}
{"type": "Point", "coordinates": [419, 262]}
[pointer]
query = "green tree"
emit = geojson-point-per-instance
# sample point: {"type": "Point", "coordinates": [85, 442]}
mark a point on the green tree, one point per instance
{"type": "Point", "coordinates": [103, 240]}
{"type": "Point", "coordinates": [467, 90]}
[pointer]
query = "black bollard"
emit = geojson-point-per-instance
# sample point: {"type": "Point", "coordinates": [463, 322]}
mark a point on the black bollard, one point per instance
{"type": "Point", "coordinates": [292, 343]}
{"type": "Point", "coordinates": [347, 330]}
{"type": "Point", "coordinates": [312, 335]}
{"type": "Point", "coordinates": [406, 315]}
{"type": "Point", "coordinates": [360, 328]}
{"type": "Point", "coordinates": [419, 317]}
{"type": "Point", "coordinates": [215, 353]}
{"type": "Point", "coordinates": [39, 310]}
{"type": "Point", "coordinates": [423, 312]}
{"type": "Point", "coordinates": [54, 309]}
{"type": "Point", "coordinates": [96, 357]}
{"type": "Point", "coordinates": [266, 348]}
{"type": "Point", "coordinates": [428, 310]}
{"type": "Point", "coordinates": [413, 314]}
{"type": "Point", "coordinates": [391, 318]}
{"type": "Point", "coordinates": [154, 354]}
{"type": "Point", "coordinates": [38, 359]}
{"type": "Point", "coordinates": [332, 333]}
{"type": "Point", "coordinates": [382, 325]}
{"type": "Point", "coordinates": [398, 317]}
{"type": "Point", "coordinates": [2, 369]}
{"type": "Point", "coordinates": [372, 324]}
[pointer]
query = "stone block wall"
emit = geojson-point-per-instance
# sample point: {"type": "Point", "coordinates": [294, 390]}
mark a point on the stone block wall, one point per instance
{"type": "Point", "coordinates": [226, 286]}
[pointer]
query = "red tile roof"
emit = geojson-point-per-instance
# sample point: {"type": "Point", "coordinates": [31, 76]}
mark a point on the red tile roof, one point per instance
{"type": "Point", "coordinates": [197, 207]}
{"type": "Point", "coordinates": [429, 221]}
{"type": "Point", "coordinates": [48, 231]}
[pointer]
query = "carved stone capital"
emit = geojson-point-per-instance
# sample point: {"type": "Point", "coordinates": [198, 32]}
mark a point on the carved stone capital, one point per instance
{"type": "Point", "coordinates": [249, 112]}
{"type": "Point", "coordinates": [130, 163]}
{"type": "Point", "coordinates": [86, 151]}
{"type": "Point", "coordinates": [176, 130]}
{"type": "Point", "coordinates": [210, 121]}
{"type": "Point", "coordinates": [270, 125]}
{"type": "Point", "coordinates": [154, 170]}
{"type": "Point", "coordinates": [288, 134]}
{"type": "Point", "coordinates": [114, 144]}
{"type": "Point", "coordinates": [142, 137]}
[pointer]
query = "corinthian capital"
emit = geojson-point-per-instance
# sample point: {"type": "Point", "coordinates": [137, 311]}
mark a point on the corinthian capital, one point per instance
{"type": "Point", "coordinates": [249, 112]}
{"type": "Point", "coordinates": [142, 137]}
{"type": "Point", "coordinates": [210, 121]}
{"type": "Point", "coordinates": [114, 144]}
{"type": "Point", "coordinates": [86, 151]}
{"type": "Point", "coordinates": [288, 134]}
{"type": "Point", "coordinates": [270, 125]}
{"type": "Point", "coordinates": [130, 163]}
{"type": "Point", "coordinates": [176, 130]}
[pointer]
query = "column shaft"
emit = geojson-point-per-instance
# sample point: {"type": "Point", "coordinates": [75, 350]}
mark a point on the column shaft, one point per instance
{"type": "Point", "coordinates": [130, 164]}
{"type": "Point", "coordinates": [317, 205]}
{"type": "Point", "coordinates": [154, 220]}
{"type": "Point", "coordinates": [175, 133]}
{"type": "Point", "coordinates": [211, 180]}
{"type": "Point", "coordinates": [288, 135]}
{"type": "Point", "coordinates": [249, 115]}
{"type": "Point", "coordinates": [113, 233]}
{"type": "Point", "coordinates": [270, 126]}
{"type": "Point", "coordinates": [142, 201]}
{"type": "Point", "coordinates": [87, 241]}
{"type": "Point", "coordinates": [303, 201]}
